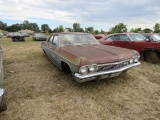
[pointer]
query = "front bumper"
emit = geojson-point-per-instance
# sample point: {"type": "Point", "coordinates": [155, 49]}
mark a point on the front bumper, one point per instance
{"type": "Point", "coordinates": [101, 75]}
{"type": "Point", "coordinates": [1, 93]}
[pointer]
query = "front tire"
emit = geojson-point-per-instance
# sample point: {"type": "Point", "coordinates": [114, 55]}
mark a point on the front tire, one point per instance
{"type": "Point", "coordinates": [151, 57]}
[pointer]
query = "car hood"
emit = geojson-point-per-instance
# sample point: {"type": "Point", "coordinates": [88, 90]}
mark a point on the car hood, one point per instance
{"type": "Point", "coordinates": [95, 54]}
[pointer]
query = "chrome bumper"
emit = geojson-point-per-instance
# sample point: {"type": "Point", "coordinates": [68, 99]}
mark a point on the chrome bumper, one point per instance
{"type": "Point", "coordinates": [1, 93]}
{"type": "Point", "coordinates": [99, 75]}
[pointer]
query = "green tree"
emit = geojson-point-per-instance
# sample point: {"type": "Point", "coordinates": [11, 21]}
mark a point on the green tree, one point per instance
{"type": "Point", "coordinates": [76, 27]}
{"type": "Point", "coordinates": [3, 25]}
{"type": "Point", "coordinates": [45, 27]}
{"type": "Point", "coordinates": [96, 32]}
{"type": "Point", "coordinates": [156, 28]}
{"type": "Point", "coordinates": [136, 30]}
{"type": "Point", "coordinates": [90, 30]}
{"type": "Point", "coordinates": [147, 30]}
{"type": "Point", "coordinates": [120, 28]}
{"type": "Point", "coordinates": [26, 25]}
{"type": "Point", "coordinates": [58, 29]}
{"type": "Point", "coordinates": [14, 28]}
{"type": "Point", "coordinates": [34, 26]}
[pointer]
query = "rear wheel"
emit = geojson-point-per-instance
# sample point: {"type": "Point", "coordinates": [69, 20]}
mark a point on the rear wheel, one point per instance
{"type": "Point", "coordinates": [151, 57]}
{"type": "Point", "coordinates": [3, 105]}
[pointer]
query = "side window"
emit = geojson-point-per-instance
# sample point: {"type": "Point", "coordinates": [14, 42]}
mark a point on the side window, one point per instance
{"type": "Point", "coordinates": [122, 37]}
{"type": "Point", "coordinates": [110, 38]}
{"type": "Point", "coordinates": [55, 40]}
{"type": "Point", "coordinates": [50, 39]}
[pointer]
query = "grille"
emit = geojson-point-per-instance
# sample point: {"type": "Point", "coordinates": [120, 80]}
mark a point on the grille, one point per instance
{"type": "Point", "coordinates": [112, 66]}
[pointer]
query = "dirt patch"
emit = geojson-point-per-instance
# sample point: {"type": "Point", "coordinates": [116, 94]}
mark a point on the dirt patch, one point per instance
{"type": "Point", "coordinates": [37, 90]}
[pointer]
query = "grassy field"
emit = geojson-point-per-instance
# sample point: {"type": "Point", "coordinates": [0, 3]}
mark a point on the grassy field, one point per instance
{"type": "Point", "coordinates": [37, 90]}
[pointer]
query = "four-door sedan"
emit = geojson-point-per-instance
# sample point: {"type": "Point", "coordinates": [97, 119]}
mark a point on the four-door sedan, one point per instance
{"type": "Point", "coordinates": [39, 36]}
{"type": "Point", "coordinates": [3, 105]}
{"type": "Point", "coordinates": [85, 58]}
{"type": "Point", "coordinates": [149, 50]}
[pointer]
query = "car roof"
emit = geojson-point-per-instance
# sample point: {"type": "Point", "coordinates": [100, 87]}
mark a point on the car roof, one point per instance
{"type": "Point", "coordinates": [69, 33]}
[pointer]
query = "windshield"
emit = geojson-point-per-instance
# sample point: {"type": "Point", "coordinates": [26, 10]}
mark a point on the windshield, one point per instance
{"type": "Point", "coordinates": [155, 37]}
{"type": "Point", "coordinates": [77, 39]}
{"type": "Point", "coordinates": [137, 37]}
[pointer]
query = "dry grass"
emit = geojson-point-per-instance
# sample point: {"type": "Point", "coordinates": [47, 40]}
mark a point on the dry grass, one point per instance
{"type": "Point", "coordinates": [37, 90]}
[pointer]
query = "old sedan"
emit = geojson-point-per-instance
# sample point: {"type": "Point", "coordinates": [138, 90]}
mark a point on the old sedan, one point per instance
{"type": "Point", "coordinates": [39, 36]}
{"type": "Point", "coordinates": [3, 105]}
{"type": "Point", "coordinates": [150, 51]}
{"type": "Point", "coordinates": [85, 58]}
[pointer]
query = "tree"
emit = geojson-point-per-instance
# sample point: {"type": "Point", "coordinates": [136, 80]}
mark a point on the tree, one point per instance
{"type": "Point", "coordinates": [120, 28]}
{"type": "Point", "coordinates": [3, 25]}
{"type": "Point", "coordinates": [76, 27]}
{"type": "Point", "coordinates": [34, 26]}
{"type": "Point", "coordinates": [96, 32]}
{"type": "Point", "coordinates": [45, 27]}
{"type": "Point", "coordinates": [147, 30]}
{"type": "Point", "coordinates": [136, 30]}
{"type": "Point", "coordinates": [58, 29]}
{"type": "Point", "coordinates": [14, 28]}
{"type": "Point", "coordinates": [26, 25]}
{"type": "Point", "coordinates": [156, 28]}
{"type": "Point", "coordinates": [89, 29]}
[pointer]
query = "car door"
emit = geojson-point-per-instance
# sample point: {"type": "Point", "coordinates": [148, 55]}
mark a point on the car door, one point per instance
{"type": "Point", "coordinates": [53, 46]}
{"type": "Point", "coordinates": [122, 40]}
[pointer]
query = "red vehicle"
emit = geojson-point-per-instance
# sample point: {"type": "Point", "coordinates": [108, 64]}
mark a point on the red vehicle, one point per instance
{"type": "Point", "coordinates": [148, 49]}
{"type": "Point", "coordinates": [99, 36]}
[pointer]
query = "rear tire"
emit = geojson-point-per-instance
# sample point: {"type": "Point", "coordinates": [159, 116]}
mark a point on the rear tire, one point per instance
{"type": "Point", "coordinates": [151, 57]}
{"type": "Point", "coordinates": [3, 104]}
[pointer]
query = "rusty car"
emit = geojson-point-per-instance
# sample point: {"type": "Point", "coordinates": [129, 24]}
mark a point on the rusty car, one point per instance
{"type": "Point", "coordinates": [17, 36]}
{"type": "Point", "coordinates": [39, 36]}
{"type": "Point", "coordinates": [3, 105]}
{"type": "Point", "coordinates": [81, 55]}
{"type": "Point", "coordinates": [147, 49]}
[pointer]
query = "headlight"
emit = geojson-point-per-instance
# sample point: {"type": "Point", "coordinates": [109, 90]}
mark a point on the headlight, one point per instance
{"type": "Point", "coordinates": [92, 68]}
{"type": "Point", "coordinates": [83, 69]}
{"type": "Point", "coordinates": [131, 61]}
{"type": "Point", "coordinates": [136, 59]}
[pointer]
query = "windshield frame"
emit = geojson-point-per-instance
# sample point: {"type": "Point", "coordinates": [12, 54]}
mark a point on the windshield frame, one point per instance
{"type": "Point", "coordinates": [76, 39]}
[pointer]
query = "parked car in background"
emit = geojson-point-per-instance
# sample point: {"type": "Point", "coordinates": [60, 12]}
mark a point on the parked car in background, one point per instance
{"type": "Point", "coordinates": [3, 105]}
{"type": "Point", "coordinates": [149, 50]}
{"type": "Point", "coordinates": [1, 34]}
{"type": "Point", "coordinates": [25, 34]}
{"type": "Point", "coordinates": [17, 36]}
{"type": "Point", "coordinates": [39, 36]}
{"type": "Point", "coordinates": [9, 35]}
{"type": "Point", "coordinates": [98, 36]}
{"type": "Point", "coordinates": [85, 58]}
{"type": "Point", "coordinates": [152, 37]}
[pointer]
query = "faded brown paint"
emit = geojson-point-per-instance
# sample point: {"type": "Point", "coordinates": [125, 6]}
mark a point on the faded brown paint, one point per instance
{"type": "Point", "coordinates": [91, 54]}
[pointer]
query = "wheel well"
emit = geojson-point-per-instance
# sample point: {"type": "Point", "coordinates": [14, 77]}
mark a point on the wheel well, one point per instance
{"type": "Point", "coordinates": [65, 67]}
{"type": "Point", "coordinates": [147, 50]}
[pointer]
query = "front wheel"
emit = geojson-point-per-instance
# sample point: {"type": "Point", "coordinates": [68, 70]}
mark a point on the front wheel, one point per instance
{"type": "Point", "coordinates": [3, 104]}
{"type": "Point", "coordinates": [151, 57]}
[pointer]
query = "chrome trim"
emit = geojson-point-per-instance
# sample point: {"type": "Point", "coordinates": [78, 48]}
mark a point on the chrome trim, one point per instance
{"type": "Point", "coordinates": [83, 78]}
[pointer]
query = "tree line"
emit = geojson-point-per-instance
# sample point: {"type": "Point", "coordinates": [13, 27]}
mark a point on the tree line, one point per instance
{"type": "Point", "coordinates": [120, 28]}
